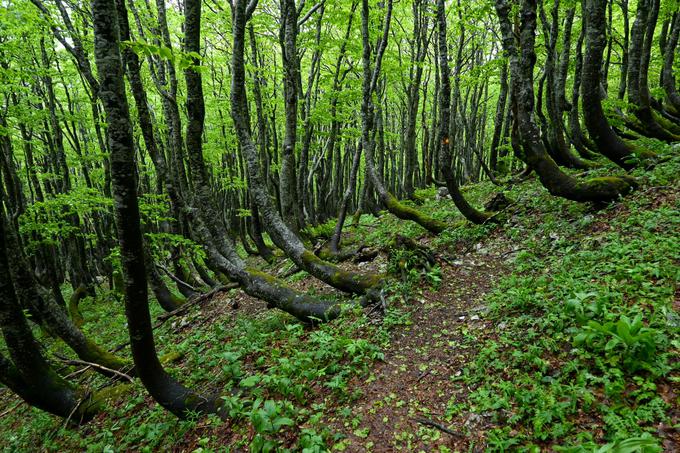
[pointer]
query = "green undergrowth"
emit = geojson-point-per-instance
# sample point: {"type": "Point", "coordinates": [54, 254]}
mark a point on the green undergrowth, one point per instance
{"type": "Point", "coordinates": [274, 375]}
{"type": "Point", "coordinates": [582, 354]}
{"type": "Point", "coordinates": [585, 344]}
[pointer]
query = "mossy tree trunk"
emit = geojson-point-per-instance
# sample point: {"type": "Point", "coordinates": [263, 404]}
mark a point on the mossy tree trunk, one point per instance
{"type": "Point", "coordinates": [642, 35]}
{"type": "Point", "coordinates": [282, 236]}
{"type": "Point", "coordinates": [50, 315]}
{"type": "Point", "coordinates": [445, 164]}
{"type": "Point", "coordinates": [522, 57]}
{"type": "Point", "coordinates": [668, 76]}
{"type": "Point", "coordinates": [558, 146]}
{"type": "Point", "coordinates": [28, 374]}
{"type": "Point", "coordinates": [178, 399]}
{"type": "Point", "coordinates": [370, 81]}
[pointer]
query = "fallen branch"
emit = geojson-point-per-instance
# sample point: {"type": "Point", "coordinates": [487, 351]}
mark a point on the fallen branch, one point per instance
{"type": "Point", "coordinates": [433, 424]}
{"type": "Point", "coordinates": [93, 365]}
{"type": "Point", "coordinates": [194, 301]}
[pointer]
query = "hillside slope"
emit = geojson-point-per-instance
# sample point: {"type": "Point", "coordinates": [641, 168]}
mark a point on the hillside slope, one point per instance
{"type": "Point", "coordinates": [555, 330]}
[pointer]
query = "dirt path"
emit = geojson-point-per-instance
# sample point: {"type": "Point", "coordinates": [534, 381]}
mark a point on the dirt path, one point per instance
{"type": "Point", "coordinates": [413, 387]}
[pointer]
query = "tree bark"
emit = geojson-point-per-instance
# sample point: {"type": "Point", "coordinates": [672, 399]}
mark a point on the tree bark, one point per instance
{"type": "Point", "coordinates": [606, 140]}
{"type": "Point", "coordinates": [668, 76]}
{"type": "Point", "coordinates": [468, 211]}
{"type": "Point", "coordinates": [163, 388]}
{"type": "Point", "coordinates": [522, 62]}
{"type": "Point", "coordinates": [28, 374]}
{"type": "Point", "coordinates": [282, 236]}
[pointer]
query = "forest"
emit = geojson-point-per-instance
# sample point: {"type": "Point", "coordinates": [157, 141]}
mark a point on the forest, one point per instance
{"type": "Point", "coordinates": [340, 225]}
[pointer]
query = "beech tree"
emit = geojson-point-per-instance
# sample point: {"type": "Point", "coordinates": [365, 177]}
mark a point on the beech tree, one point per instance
{"type": "Point", "coordinates": [156, 152]}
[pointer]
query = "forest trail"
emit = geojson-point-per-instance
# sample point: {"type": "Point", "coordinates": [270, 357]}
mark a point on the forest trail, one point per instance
{"type": "Point", "coordinates": [471, 355]}
{"type": "Point", "coordinates": [412, 387]}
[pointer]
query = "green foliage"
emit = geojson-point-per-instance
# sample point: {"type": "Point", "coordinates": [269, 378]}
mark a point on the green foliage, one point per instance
{"type": "Point", "coordinates": [622, 342]}
{"type": "Point", "coordinates": [587, 327]}
{"type": "Point", "coordinates": [183, 60]}
{"type": "Point", "coordinates": [322, 230]}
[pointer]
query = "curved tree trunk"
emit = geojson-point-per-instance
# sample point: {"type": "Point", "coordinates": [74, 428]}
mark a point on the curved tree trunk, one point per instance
{"type": "Point", "coordinates": [282, 236]}
{"type": "Point", "coordinates": [521, 68]}
{"type": "Point", "coordinates": [50, 315]}
{"type": "Point", "coordinates": [642, 35]}
{"type": "Point", "coordinates": [553, 95]}
{"type": "Point", "coordinates": [608, 143]}
{"type": "Point", "coordinates": [367, 115]}
{"type": "Point", "coordinates": [162, 387]}
{"type": "Point", "coordinates": [334, 245]}
{"type": "Point", "coordinates": [575, 133]}
{"type": "Point", "coordinates": [669, 82]}
{"type": "Point", "coordinates": [28, 374]}
{"type": "Point", "coordinates": [470, 213]}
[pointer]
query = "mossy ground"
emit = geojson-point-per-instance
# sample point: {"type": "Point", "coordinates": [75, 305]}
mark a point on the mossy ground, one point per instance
{"type": "Point", "coordinates": [522, 337]}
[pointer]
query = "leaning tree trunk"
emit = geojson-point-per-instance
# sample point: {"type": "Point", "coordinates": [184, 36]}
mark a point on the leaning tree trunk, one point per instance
{"type": "Point", "coordinates": [582, 144]}
{"type": "Point", "coordinates": [367, 115]}
{"type": "Point", "coordinates": [219, 248]}
{"type": "Point", "coordinates": [470, 213]}
{"type": "Point", "coordinates": [290, 206]}
{"type": "Point", "coordinates": [642, 35]}
{"type": "Point", "coordinates": [52, 316]}
{"type": "Point", "coordinates": [554, 94]}
{"type": "Point", "coordinates": [282, 236]}
{"type": "Point", "coordinates": [669, 83]}
{"type": "Point", "coordinates": [163, 388]}
{"type": "Point", "coordinates": [521, 68]}
{"type": "Point", "coordinates": [334, 245]}
{"type": "Point", "coordinates": [608, 143]}
{"type": "Point", "coordinates": [500, 114]}
{"type": "Point", "coordinates": [28, 374]}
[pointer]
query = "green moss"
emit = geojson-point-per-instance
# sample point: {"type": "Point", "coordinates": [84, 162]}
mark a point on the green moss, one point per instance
{"type": "Point", "coordinates": [351, 281]}
{"type": "Point", "coordinates": [407, 213]}
{"type": "Point", "coordinates": [607, 188]}
{"type": "Point", "coordinates": [111, 393]}
{"type": "Point", "coordinates": [170, 357]}
{"type": "Point", "coordinates": [667, 124]}
{"type": "Point", "coordinates": [73, 303]}
{"type": "Point", "coordinates": [104, 358]}
{"type": "Point", "coordinates": [264, 276]}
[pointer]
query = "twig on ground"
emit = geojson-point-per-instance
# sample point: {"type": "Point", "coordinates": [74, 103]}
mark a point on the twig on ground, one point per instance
{"type": "Point", "coordinates": [433, 424]}
{"type": "Point", "coordinates": [93, 365]}
{"type": "Point", "coordinates": [11, 409]}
